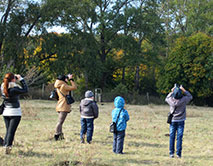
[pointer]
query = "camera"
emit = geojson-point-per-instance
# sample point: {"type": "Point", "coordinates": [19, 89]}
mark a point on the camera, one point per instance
{"type": "Point", "coordinates": [176, 85]}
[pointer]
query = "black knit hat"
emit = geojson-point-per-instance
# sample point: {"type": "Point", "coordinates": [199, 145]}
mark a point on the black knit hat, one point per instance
{"type": "Point", "coordinates": [62, 77]}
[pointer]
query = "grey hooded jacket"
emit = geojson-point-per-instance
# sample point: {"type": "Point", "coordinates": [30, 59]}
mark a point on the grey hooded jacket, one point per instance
{"type": "Point", "coordinates": [178, 106]}
{"type": "Point", "coordinates": [88, 108]}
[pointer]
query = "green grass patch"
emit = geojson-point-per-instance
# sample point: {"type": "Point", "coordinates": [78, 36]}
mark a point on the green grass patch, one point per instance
{"type": "Point", "coordinates": [146, 141]}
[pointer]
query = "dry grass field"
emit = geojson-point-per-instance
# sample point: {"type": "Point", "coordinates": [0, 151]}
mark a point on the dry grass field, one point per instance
{"type": "Point", "coordinates": [146, 141]}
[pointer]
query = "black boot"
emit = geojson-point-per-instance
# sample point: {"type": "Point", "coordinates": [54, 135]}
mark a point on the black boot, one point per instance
{"type": "Point", "coordinates": [1, 141]}
{"type": "Point", "coordinates": [61, 136]}
{"type": "Point", "coordinates": [56, 137]}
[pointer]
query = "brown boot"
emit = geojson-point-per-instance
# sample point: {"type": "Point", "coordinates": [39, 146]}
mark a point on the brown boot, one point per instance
{"type": "Point", "coordinates": [8, 149]}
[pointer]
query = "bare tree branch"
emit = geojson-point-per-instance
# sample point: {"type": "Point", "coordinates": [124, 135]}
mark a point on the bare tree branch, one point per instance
{"type": "Point", "coordinates": [33, 24]}
{"type": "Point", "coordinates": [32, 76]}
{"type": "Point", "coordinates": [6, 14]}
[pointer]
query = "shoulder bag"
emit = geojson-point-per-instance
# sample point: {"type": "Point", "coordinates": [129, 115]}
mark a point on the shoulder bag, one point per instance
{"type": "Point", "coordinates": [2, 107]}
{"type": "Point", "coordinates": [68, 98]}
{"type": "Point", "coordinates": [170, 116]}
{"type": "Point", "coordinates": [112, 127]}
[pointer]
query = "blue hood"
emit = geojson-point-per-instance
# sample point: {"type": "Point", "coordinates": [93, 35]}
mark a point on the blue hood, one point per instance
{"type": "Point", "coordinates": [123, 117]}
{"type": "Point", "coordinates": [119, 102]}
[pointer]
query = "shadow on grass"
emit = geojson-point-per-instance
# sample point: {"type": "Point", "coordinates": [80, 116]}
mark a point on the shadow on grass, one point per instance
{"type": "Point", "coordinates": [138, 162]}
{"type": "Point", "coordinates": [34, 154]}
{"type": "Point", "coordinates": [142, 144]}
{"type": "Point", "coordinates": [206, 157]}
{"type": "Point", "coordinates": [107, 141]}
{"type": "Point", "coordinates": [104, 142]}
{"type": "Point", "coordinates": [67, 163]}
{"type": "Point", "coordinates": [76, 163]}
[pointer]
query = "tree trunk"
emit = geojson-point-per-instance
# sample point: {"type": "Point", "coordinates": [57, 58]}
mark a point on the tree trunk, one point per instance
{"type": "Point", "coordinates": [123, 75]}
{"type": "Point", "coordinates": [137, 76]}
{"type": "Point", "coordinates": [102, 55]}
{"type": "Point", "coordinates": [3, 22]}
{"type": "Point", "coordinates": [86, 80]}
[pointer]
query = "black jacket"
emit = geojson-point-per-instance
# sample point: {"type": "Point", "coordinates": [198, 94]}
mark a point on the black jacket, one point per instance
{"type": "Point", "coordinates": [88, 108]}
{"type": "Point", "coordinates": [13, 99]}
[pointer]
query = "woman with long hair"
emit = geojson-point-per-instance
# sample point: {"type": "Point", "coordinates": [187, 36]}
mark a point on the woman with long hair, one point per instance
{"type": "Point", "coordinates": [12, 112]}
{"type": "Point", "coordinates": [62, 107]}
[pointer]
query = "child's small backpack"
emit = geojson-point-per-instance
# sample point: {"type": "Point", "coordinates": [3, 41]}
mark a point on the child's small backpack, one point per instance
{"type": "Point", "coordinates": [54, 94]}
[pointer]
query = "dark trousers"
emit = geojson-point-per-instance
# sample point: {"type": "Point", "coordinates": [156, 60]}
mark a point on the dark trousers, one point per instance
{"type": "Point", "coordinates": [11, 123]}
{"type": "Point", "coordinates": [87, 127]}
{"type": "Point", "coordinates": [118, 141]}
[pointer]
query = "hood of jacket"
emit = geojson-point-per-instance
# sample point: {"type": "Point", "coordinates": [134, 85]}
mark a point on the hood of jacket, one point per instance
{"type": "Point", "coordinates": [59, 83]}
{"type": "Point", "coordinates": [177, 93]}
{"type": "Point", "coordinates": [10, 85]}
{"type": "Point", "coordinates": [119, 102]}
{"type": "Point", "coordinates": [86, 102]}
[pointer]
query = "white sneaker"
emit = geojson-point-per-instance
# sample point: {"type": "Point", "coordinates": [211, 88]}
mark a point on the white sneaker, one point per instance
{"type": "Point", "coordinates": [178, 156]}
{"type": "Point", "coordinates": [171, 155]}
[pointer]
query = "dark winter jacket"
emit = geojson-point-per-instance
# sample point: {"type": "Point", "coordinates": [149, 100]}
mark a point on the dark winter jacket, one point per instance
{"type": "Point", "coordinates": [12, 105]}
{"type": "Point", "coordinates": [14, 91]}
{"type": "Point", "coordinates": [88, 108]}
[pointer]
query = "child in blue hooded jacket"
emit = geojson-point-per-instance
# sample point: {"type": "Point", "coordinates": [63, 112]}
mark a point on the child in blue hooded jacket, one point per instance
{"type": "Point", "coordinates": [118, 137]}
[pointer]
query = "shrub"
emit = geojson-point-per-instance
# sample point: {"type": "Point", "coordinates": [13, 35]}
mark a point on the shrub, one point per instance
{"type": "Point", "coordinates": [190, 63]}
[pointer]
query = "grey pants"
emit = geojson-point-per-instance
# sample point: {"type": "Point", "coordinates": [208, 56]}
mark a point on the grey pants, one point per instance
{"type": "Point", "coordinates": [61, 118]}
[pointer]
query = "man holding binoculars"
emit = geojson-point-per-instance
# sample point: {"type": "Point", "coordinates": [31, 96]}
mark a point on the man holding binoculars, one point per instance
{"type": "Point", "coordinates": [177, 99]}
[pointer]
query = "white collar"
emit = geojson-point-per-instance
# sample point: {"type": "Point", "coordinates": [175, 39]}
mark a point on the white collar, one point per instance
{"type": "Point", "coordinates": [89, 99]}
{"type": "Point", "coordinates": [10, 85]}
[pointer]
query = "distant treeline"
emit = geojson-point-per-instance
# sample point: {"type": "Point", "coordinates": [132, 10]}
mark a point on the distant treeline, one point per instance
{"type": "Point", "coordinates": [128, 47]}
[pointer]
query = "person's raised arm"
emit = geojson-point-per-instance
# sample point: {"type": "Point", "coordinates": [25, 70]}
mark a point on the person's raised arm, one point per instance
{"type": "Point", "coordinates": [18, 90]}
{"type": "Point", "coordinates": [73, 85]}
{"type": "Point", "coordinates": [188, 97]}
{"type": "Point", "coordinates": [169, 98]}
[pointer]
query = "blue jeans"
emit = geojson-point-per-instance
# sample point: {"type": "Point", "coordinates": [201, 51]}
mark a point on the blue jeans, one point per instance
{"type": "Point", "coordinates": [179, 128]}
{"type": "Point", "coordinates": [87, 127]}
{"type": "Point", "coordinates": [118, 141]}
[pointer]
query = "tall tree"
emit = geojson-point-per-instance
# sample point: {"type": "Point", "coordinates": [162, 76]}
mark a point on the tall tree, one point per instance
{"type": "Point", "coordinates": [190, 64]}
{"type": "Point", "coordinates": [18, 19]}
{"type": "Point", "coordinates": [184, 17]}
{"type": "Point", "coordinates": [101, 21]}
{"type": "Point", "coordinates": [145, 25]}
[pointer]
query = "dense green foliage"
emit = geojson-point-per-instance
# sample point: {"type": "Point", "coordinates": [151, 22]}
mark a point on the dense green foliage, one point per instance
{"type": "Point", "coordinates": [111, 44]}
{"type": "Point", "coordinates": [190, 64]}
